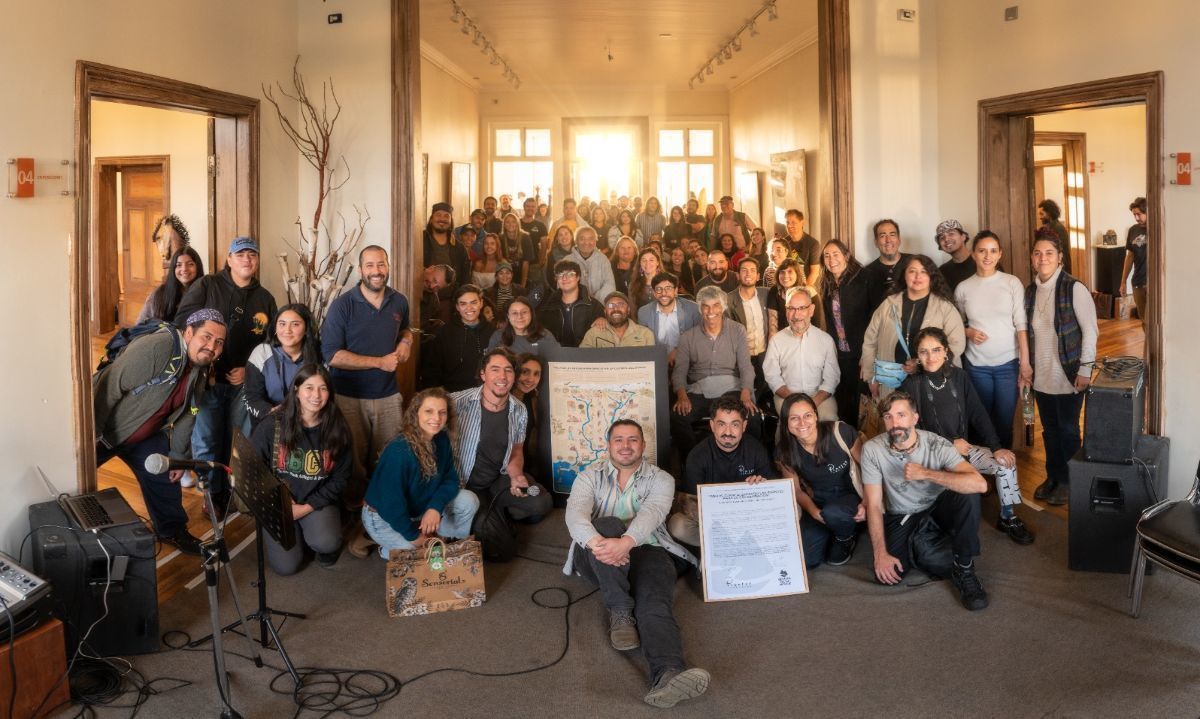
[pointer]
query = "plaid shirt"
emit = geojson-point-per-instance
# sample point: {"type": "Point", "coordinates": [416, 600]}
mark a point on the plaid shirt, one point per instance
{"type": "Point", "coordinates": [470, 420]}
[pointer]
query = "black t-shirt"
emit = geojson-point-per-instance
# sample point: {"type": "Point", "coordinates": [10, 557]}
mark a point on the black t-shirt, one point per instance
{"type": "Point", "coordinates": [493, 443]}
{"type": "Point", "coordinates": [831, 475]}
{"type": "Point", "coordinates": [956, 272]}
{"type": "Point", "coordinates": [729, 284]}
{"type": "Point", "coordinates": [537, 232]}
{"type": "Point", "coordinates": [912, 316]}
{"type": "Point", "coordinates": [879, 278]}
{"type": "Point", "coordinates": [1135, 244]}
{"type": "Point", "coordinates": [709, 464]}
{"type": "Point", "coordinates": [808, 252]}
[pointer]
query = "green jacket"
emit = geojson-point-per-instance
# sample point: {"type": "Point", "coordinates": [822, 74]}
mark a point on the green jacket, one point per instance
{"type": "Point", "coordinates": [120, 411]}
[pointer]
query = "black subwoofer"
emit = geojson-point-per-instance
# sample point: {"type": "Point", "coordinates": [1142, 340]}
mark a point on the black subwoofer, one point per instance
{"type": "Point", "coordinates": [1106, 501]}
{"type": "Point", "coordinates": [78, 570]}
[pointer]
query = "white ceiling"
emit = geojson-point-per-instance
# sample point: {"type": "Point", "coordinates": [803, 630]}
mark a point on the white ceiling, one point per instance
{"type": "Point", "coordinates": [565, 43]}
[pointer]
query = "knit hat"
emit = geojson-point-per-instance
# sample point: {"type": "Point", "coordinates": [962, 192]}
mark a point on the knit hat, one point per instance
{"type": "Point", "coordinates": [505, 265]}
{"type": "Point", "coordinates": [205, 315]}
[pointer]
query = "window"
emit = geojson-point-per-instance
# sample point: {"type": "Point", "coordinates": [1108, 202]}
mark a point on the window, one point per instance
{"type": "Point", "coordinates": [522, 165]}
{"type": "Point", "coordinates": [686, 165]}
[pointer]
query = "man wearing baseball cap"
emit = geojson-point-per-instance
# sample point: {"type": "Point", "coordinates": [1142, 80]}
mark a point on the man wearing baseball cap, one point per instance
{"type": "Point", "coordinates": [617, 330]}
{"type": "Point", "coordinates": [953, 240]}
{"type": "Point", "coordinates": [247, 308]}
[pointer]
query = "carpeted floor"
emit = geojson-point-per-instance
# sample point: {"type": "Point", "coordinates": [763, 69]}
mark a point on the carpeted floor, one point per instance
{"type": "Point", "coordinates": [1053, 643]}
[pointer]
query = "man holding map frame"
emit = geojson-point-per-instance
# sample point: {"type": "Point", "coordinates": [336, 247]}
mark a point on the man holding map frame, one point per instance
{"type": "Point", "coordinates": [616, 516]}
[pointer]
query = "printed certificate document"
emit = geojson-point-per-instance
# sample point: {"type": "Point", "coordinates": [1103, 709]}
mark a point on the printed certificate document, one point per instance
{"type": "Point", "coordinates": [750, 541]}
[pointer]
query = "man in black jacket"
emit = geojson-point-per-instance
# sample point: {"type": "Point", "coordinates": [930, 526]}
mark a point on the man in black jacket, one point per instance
{"type": "Point", "coordinates": [452, 359]}
{"type": "Point", "coordinates": [441, 246]}
{"type": "Point", "coordinates": [248, 309]}
{"type": "Point", "coordinates": [569, 312]}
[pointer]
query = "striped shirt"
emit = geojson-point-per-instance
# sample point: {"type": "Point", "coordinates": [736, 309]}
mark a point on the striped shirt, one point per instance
{"type": "Point", "coordinates": [469, 413]}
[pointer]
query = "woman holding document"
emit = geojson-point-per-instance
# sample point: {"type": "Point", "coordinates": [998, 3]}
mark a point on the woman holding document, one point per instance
{"type": "Point", "coordinates": [822, 459]}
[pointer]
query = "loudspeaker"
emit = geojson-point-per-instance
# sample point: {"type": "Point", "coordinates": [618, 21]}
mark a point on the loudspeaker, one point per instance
{"type": "Point", "coordinates": [1106, 502]}
{"type": "Point", "coordinates": [1112, 418]}
{"type": "Point", "coordinates": [78, 570]}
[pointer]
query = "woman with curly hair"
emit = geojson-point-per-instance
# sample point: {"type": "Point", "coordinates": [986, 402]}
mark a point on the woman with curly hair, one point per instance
{"type": "Point", "coordinates": [919, 298]}
{"type": "Point", "coordinates": [787, 276]}
{"type": "Point", "coordinates": [307, 446]}
{"type": "Point", "coordinates": [624, 263]}
{"type": "Point", "coordinates": [414, 494]}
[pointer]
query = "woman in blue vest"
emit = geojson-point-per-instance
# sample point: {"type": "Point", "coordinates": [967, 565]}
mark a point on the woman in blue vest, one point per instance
{"type": "Point", "coordinates": [1062, 345]}
{"type": "Point", "coordinates": [273, 364]}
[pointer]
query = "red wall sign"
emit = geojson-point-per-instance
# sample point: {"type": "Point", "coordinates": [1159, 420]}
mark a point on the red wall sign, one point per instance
{"type": "Point", "coordinates": [25, 177]}
{"type": "Point", "coordinates": [1183, 168]}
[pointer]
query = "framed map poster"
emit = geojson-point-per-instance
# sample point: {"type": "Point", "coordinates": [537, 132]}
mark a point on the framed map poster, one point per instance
{"type": "Point", "coordinates": [583, 392]}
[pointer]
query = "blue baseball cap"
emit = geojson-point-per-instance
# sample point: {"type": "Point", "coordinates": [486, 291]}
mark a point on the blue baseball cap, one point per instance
{"type": "Point", "coordinates": [243, 243]}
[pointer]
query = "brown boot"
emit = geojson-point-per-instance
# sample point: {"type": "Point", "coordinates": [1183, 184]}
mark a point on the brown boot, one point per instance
{"type": "Point", "coordinates": [358, 543]}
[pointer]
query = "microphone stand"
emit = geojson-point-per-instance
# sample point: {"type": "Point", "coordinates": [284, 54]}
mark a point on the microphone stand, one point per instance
{"type": "Point", "coordinates": [214, 556]}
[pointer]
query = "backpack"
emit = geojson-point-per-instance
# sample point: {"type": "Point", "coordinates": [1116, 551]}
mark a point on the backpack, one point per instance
{"type": "Point", "coordinates": [127, 335]}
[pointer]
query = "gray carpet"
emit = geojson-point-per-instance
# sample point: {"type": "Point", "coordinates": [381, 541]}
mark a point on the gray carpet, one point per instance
{"type": "Point", "coordinates": [1053, 643]}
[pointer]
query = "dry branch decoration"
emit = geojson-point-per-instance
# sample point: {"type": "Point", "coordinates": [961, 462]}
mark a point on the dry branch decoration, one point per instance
{"type": "Point", "coordinates": [323, 266]}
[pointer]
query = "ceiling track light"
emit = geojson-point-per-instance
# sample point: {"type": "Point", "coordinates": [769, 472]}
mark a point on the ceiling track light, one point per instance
{"type": "Point", "coordinates": [750, 26]}
{"type": "Point", "coordinates": [457, 14]}
{"type": "Point", "coordinates": [466, 28]}
{"type": "Point", "coordinates": [481, 41]}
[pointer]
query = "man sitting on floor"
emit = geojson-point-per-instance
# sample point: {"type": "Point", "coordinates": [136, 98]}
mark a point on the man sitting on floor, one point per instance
{"type": "Point", "coordinates": [922, 475]}
{"type": "Point", "coordinates": [616, 515]}
{"type": "Point", "coordinates": [727, 456]}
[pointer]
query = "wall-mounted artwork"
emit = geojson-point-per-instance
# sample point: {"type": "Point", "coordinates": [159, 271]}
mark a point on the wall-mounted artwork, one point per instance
{"type": "Point", "coordinates": [748, 198]}
{"type": "Point", "coordinates": [788, 184]}
{"type": "Point", "coordinates": [460, 191]}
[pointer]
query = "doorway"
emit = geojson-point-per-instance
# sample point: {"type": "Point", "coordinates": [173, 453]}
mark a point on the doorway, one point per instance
{"type": "Point", "coordinates": [1106, 138]}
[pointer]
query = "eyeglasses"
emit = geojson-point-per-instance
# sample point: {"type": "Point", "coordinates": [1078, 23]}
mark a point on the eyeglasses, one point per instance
{"type": "Point", "coordinates": [664, 289]}
{"type": "Point", "coordinates": [799, 309]}
{"type": "Point", "coordinates": [617, 306]}
{"type": "Point", "coordinates": [566, 273]}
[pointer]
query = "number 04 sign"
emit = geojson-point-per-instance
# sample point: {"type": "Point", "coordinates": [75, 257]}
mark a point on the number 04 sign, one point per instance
{"type": "Point", "coordinates": [1183, 168]}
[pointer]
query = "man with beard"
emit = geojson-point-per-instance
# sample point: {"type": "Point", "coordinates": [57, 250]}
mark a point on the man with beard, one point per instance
{"type": "Point", "coordinates": [748, 305]}
{"type": "Point", "coordinates": [248, 309]}
{"type": "Point", "coordinates": [617, 330]}
{"type": "Point", "coordinates": [145, 403]}
{"type": "Point", "coordinates": [619, 542]}
{"type": "Point", "coordinates": [452, 359]}
{"type": "Point", "coordinates": [718, 274]}
{"type": "Point", "coordinates": [727, 456]}
{"type": "Point", "coordinates": [881, 273]}
{"type": "Point", "coordinates": [491, 427]}
{"type": "Point", "coordinates": [909, 474]}
{"type": "Point", "coordinates": [442, 247]}
{"type": "Point", "coordinates": [952, 238]}
{"type": "Point", "coordinates": [437, 306]}
{"type": "Point", "coordinates": [537, 232]}
{"type": "Point", "coordinates": [669, 315]}
{"type": "Point", "coordinates": [364, 339]}
{"type": "Point", "coordinates": [491, 219]}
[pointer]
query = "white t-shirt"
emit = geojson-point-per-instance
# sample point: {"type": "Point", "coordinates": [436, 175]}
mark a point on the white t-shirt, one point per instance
{"type": "Point", "coordinates": [995, 305]}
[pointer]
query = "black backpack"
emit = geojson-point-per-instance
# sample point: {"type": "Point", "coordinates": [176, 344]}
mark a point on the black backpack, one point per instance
{"type": "Point", "coordinates": [127, 335]}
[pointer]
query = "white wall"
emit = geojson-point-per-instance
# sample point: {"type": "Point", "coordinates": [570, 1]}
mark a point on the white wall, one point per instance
{"type": "Point", "coordinates": [449, 133]}
{"type": "Point", "coordinates": [233, 50]}
{"type": "Point", "coordinates": [355, 57]}
{"type": "Point", "coordinates": [120, 130]}
{"type": "Point", "coordinates": [894, 101]}
{"type": "Point", "coordinates": [1116, 138]}
{"type": "Point", "coordinates": [779, 111]}
{"type": "Point", "coordinates": [980, 56]}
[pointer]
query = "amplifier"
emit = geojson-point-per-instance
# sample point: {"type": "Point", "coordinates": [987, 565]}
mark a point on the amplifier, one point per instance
{"type": "Point", "coordinates": [1112, 417]}
{"type": "Point", "coordinates": [81, 573]}
{"type": "Point", "coordinates": [1106, 502]}
{"type": "Point", "coordinates": [25, 597]}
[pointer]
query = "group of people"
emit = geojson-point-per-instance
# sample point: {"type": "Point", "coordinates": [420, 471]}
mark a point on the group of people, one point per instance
{"type": "Point", "coordinates": [786, 330]}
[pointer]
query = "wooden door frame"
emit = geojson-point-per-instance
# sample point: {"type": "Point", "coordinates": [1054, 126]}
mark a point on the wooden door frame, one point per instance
{"type": "Point", "coordinates": [100, 165]}
{"type": "Point", "coordinates": [996, 119]}
{"type": "Point", "coordinates": [1074, 159]}
{"type": "Point", "coordinates": [94, 81]}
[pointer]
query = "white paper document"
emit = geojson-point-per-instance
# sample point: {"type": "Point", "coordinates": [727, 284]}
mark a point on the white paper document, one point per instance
{"type": "Point", "coordinates": [750, 541]}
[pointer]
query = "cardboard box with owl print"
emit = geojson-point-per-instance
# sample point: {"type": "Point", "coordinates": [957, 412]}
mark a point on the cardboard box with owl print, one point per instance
{"type": "Point", "coordinates": [439, 577]}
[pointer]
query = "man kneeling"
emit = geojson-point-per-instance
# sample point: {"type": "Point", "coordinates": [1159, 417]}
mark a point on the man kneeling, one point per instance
{"type": "Point", "coordinates": [616, 515]}
{"type": "Point", "coordinates": [923, 476]}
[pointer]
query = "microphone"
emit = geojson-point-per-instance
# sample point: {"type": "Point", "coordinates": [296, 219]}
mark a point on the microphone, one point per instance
{"type": "Point", "coordinates": [159, 463]}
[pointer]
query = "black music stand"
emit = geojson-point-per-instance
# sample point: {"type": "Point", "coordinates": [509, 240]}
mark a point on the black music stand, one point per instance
{"type": "Point", "coordinates": [270, 503]}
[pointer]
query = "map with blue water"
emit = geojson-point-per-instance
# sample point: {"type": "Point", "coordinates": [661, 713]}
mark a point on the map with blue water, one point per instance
{"type": "Point", "coordinates": [585, 399]}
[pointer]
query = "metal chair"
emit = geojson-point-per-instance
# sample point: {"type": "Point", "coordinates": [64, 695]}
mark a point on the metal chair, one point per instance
{"type": "Point", "coordinates": [1168, 534]}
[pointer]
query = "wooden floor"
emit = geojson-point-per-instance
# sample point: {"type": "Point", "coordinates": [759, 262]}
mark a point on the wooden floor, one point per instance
{"type": "Point", "coordinates": [177, 571]}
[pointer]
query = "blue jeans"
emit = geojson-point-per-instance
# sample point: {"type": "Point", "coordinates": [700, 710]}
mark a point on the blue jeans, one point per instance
{"type": "Point", "coordinates": [456, 523]}
{"type": "Point", "coordinates": [997, 389]}
{"type": "Point", "coordinates": [837, 509]}
{"type": "Point", "coordinates": [164, 498]}
{"type": "Point", "coordinates": [221, 412]}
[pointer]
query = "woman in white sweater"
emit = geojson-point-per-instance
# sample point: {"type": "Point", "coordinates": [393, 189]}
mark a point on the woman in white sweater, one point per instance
{"type": "Point", "coordinates": [993, 304]}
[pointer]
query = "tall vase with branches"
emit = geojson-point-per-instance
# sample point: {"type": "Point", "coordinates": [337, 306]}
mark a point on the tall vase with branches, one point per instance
{"type": "Point", "coordinates": [323, 265]}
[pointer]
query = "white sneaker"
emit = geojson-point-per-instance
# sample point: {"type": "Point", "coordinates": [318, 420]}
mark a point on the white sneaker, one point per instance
{"type": "Point", "coordinates": [188, 479]}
